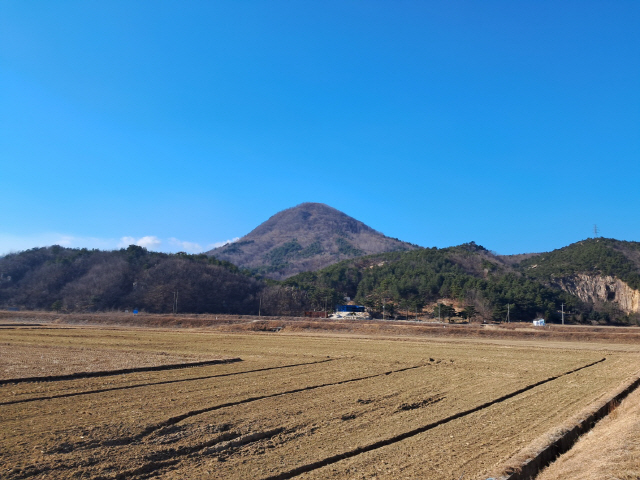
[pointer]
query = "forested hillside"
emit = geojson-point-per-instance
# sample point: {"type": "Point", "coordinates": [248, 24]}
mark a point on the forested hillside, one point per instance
{"type": "Point", "coordinates": [89, 280]}
{"type": "Point", "coordinates": [81, 280]}
{"type": "Point", "coordinates": [594, 256]}
{"type": "Point", "coordinates": [467, 275]}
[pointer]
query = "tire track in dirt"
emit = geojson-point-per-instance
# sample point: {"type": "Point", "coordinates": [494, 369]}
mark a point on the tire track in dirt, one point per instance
{"type": "Point", "coordinates": [226, 441]}
{"type": "Point", "coordinates": [217, 445]}
{"type": "Point", "coordinates": [164, 382]}
{"type": "Point", "coordinates": [411, 433]}
{"type": "Point", "coordinates": [159, 460]}
{"type": "Point", "coordinates": [122, 371]}
{"type": "Point", "coordinates": [13, 326]}
{"type": "Point", "coordinates": [178, 418]}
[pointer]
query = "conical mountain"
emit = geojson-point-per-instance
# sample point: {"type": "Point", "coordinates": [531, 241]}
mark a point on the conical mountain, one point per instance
{"type": "Point", "coordinates": [307, 237]}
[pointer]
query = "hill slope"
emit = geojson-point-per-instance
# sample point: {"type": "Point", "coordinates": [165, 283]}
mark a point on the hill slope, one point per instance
{"type": "Point", "coordinates": [469, 275]}
{"type": "Point", "coordinates": [82, 280]}
{"type": "Point", "coordinates": [466, 275]}
{"type": "Point", "coordinates": [307, 237]}
{"type": "Point", "coordinates": [598, 270]}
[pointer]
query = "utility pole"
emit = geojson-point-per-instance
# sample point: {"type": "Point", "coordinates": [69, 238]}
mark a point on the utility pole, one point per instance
{"type": "Point", "coordinates": [175, 302]}
{"type": "Point", "coordinates": [439, 305]}
{"type": "Point", "coordinates": [383, 307]}
{"type": "Point", "coordinates": [563, 314]}
{"type": "Point", "coordinates": [508, 311]}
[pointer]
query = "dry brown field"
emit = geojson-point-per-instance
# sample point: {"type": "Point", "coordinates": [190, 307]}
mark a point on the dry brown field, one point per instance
{"type": "Point", "coordinates": [20, 361]}
{"type": "Point", "coordinates": [302, 402]}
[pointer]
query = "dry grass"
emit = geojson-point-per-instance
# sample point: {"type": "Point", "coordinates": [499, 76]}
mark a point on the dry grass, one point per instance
{"type": "Point", "coordinates": [245, 323]}
{"type": "Point", "coordinates": [558, 431]}
{"type": "Point", "coordinates": [611, 451]}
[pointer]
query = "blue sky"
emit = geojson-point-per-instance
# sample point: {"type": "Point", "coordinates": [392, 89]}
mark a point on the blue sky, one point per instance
{"type": "Point", "coordinates": [179, 125]}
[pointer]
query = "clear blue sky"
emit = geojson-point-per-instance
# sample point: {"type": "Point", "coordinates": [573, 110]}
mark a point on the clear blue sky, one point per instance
{"type": "Point", "coordinates": [512, 124]}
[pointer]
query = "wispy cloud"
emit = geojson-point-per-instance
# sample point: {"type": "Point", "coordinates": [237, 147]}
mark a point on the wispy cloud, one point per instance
{"type": "Point", "coordinates": [150, 242]}
{"type": "Point", "coordinates": [16, 243]}
{"type": "Point", "coordinates": [126, 241]}
{"type": "Point", "coordinates": [222, 244]}
{"type": "Point", "coordinates": [189, 247]}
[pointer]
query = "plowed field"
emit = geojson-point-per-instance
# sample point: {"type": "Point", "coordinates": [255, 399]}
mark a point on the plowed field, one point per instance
{"type": "Point", "coordinates": [294, 407]}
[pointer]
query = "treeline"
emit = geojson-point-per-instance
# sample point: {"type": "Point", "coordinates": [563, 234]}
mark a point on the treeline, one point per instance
{"type": "Point", "coordinates": [468, 275]}
{"type": "Point", "coordinates": [81, 280]}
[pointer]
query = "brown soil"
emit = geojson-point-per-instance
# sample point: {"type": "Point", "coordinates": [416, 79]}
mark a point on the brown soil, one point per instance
{"type": "Point", "coordinates": [18, 361]}
{"type": "Point", "coordinates": [297, 405]}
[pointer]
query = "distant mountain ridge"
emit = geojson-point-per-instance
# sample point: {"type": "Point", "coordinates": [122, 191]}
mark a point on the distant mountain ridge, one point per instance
{"type": "Point", "coordinates": [323, 255]}
{"type": "Point", "coordinates": [307, 237]}
{"type": "Point", "coordinates": [595, 280]}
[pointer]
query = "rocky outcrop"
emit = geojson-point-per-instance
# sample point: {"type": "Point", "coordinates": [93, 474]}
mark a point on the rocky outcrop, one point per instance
{"type": "Point", "coordinates": [592, 288]}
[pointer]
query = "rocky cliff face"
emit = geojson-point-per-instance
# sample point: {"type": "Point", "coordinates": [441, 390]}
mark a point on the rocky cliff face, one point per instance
{"type": "Point", "coordinates": [591, 288]}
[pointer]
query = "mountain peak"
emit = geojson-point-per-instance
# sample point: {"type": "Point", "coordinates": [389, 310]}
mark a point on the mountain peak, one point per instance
{"type": "Point", "coordinates": [312, 216]}
{"type": "Point", "coordinates": [306, 237]}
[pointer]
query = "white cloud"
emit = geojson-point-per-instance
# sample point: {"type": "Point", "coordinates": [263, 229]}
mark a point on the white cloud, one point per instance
{"type": "Point", "coordinates": [189, 247]}
{"type": "Point", "coordinates": [16, 243]}
{"type": "Point", "coordinates": [222, 244]}
{"type": "Point", "coordinates": [66, 241]}
{"type": "Point", "coordinates": [150, 242]}
{"type": "Point", "coordinates": [126, 241]}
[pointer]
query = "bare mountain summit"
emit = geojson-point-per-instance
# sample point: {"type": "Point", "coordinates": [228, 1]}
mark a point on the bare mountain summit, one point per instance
{"type": "Point", "coordinates": [304, 238]}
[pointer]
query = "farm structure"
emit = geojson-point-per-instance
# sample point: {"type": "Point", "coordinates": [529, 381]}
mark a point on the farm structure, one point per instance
{"type": "Point", "coordinates": [278, 405]}
{"type": "Point", "coordinates": [351, 311]}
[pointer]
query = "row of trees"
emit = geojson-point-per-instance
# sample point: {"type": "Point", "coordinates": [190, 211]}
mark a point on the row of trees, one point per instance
{"type": "Point", "coordinates": [442, 311]}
